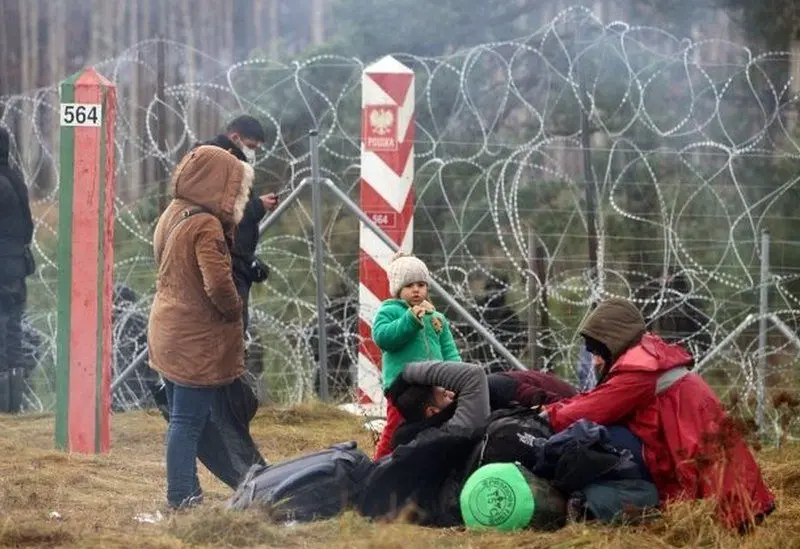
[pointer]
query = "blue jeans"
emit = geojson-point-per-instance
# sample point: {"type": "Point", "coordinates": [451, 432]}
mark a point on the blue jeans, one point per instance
{"type": "Point", "coordinates": [189, 410]}
{"type": "Point", "coordinates": [623, 438]}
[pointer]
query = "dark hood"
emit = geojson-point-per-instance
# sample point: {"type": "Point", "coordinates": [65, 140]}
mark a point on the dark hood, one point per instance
{"type": "Point", "coordinates": [5, 146]}
{"type": "Point", "coordinates": [617, 324]}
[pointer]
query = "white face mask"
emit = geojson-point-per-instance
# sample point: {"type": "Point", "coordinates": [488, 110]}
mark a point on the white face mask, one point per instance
{"type": "Point", "coordinates": [250, 154]}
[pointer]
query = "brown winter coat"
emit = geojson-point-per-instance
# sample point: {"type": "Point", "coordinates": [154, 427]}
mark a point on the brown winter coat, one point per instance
{"type": "Point", "coordinates": [195, 331]}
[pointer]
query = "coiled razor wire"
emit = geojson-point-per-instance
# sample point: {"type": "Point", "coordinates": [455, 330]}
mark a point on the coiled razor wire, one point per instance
{"type": "Point", "coordinates": [691, 152]}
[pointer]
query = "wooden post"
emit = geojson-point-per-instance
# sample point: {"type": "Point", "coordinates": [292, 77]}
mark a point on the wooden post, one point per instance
{"type": "Point", "coordinates": [85, 263]}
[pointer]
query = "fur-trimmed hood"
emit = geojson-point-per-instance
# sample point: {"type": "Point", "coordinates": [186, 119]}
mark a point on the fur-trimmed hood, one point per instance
{"type": "Point", "coordinates": [215, 179]}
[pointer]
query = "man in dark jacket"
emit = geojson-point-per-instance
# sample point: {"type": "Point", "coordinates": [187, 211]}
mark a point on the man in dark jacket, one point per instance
{"type": "Point", "coordinates": [16, 233]}
{"type": "Point", "coordinates": [243, 135]}
{"type": "Point", "coordinates": [426, 395]}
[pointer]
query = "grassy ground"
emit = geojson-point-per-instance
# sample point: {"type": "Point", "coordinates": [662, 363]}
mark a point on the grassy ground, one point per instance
{"type": "Point", "coordinates": [97, 498]}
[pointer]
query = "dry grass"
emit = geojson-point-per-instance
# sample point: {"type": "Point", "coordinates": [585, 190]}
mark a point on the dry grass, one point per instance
{"type": "Point", "coordinates": [97, 498]}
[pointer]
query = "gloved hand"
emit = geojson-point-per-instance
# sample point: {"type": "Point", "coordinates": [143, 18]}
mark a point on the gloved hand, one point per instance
{"type": "Point", "coordinates": [259, 271]}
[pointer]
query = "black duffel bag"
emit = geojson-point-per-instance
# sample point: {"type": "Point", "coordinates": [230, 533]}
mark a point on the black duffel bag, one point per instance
{"type": "Point", "coordinates": [305, 488]}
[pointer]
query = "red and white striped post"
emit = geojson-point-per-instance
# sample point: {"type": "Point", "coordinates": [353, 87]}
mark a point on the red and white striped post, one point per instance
{"type": "Point", "coordinates": [387, 197]}
{"type": "Point", "coordinates": [85, 263]}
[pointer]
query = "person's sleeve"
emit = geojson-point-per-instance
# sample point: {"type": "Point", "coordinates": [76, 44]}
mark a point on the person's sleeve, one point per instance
{"type": "Point", "coordinates": [608, 403]}
{"type": "Point", "coordinates": [449, 349]}
{"type": "Point", "coordinates": [214, 261]}
{"type": "Point", "coordinates": [7, 194]}
{"type": "Point", "coordinates": [391, 331]}
{"type": "Point", "coordinates": [467, 381]}
{"type": "Point", "coordinates": [530, 394]}
{"type": "Point", "coordinates": [534, 389]}
{"type": "Point", "coordinates": [254, 212]}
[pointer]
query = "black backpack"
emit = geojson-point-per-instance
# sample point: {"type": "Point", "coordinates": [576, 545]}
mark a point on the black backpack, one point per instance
{"type": "Point", "coordinates": [311, 487]}
{"type": "Point", "coordinates": [511, 435]}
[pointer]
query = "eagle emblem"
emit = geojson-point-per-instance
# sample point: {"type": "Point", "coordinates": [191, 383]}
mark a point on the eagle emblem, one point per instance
{"type": "Point", "coordinates": [381, 121]}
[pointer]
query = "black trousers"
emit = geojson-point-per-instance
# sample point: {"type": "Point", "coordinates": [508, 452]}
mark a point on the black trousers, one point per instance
{"type": "Point", "coordinates": [243, 289]}
{"type": "Point", "coordinates": [12, 359]}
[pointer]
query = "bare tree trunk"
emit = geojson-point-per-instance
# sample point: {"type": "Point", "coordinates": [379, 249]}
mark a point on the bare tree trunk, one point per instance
{"type": "Point", "coordinates": [143, 94]}
{"type": "Point", "coordinates": [29, 63]}
{"type": "Point", "coordinates": [5, 19]}
{"type": "Point", "coordinates": [96, 32]}
{"type": "Point", "coordinates": [24, 25]}
{"type": "Point", "coordinates": [56, 63]}
{"type": "Point", "coordinates": [794, 72]}
{"type": "Point", "coordinates": [274, 29]}
{"type": "Point", "coordinates": [258, 23]}
{"type": "Point", "coordinates": [9, 47]}
{"type": "Point", "coordinates": [317, 22]}
{"type": "Point", "coordinates": [206, 22]}
{"type": "Point", "coordinates": [132, 185]}
{"type": "Point", "coordinates": [228, 24]}
{"type": "Point", "coordinates": [118, 25]}
{"type": "Point", "coordinates": [173, 75]}
{"type": "Point", "coordinates": [191, 66]}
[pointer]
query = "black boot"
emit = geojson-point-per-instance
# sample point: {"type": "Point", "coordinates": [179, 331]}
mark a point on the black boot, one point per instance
{"type": "Point", "coordinates": [5, 391]}
{"type": "Point", "coordinates": [16, 387]}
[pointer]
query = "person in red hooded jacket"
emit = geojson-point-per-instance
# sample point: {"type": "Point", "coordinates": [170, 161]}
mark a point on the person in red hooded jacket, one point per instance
{"type": "Point", "coordinates": [689, 444]}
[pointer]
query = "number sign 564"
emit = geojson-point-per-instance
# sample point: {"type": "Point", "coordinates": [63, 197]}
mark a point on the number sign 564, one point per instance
{"type": "Point", "coordinates": [80, 114]}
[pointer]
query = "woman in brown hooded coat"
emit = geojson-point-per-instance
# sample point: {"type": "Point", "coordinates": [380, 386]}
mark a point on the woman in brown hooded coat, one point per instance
{"type": "Point", "coordinates": [195, 330]}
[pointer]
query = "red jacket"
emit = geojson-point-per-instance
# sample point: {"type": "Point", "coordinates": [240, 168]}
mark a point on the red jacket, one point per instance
{"type": "Point", "coordinates": [690, 445]}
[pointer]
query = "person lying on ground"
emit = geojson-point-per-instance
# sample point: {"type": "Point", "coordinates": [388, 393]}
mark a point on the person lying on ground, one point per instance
{"type": "Point", "coordinates": [425, 395]}
{"type": "Point", "coordinates": [451, 396]}
{"type": "Point", "coordinates": [690, 445]}
{"type": "Point", "coordinates": [407, 328]}
{"type": "Point", "coordinates": [431, 407]}
{"type": "Point", "coordinates": [450, 427]}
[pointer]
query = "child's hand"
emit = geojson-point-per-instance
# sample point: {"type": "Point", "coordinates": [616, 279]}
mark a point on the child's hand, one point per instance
{"type": "Point", "coordinates": [418, 311]}
{"type": "Point", "coordinates": [428, 306]}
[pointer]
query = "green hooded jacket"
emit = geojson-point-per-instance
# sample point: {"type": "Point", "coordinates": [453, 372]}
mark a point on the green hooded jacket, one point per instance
{"type": "Point", "coordinates": [403, 338]}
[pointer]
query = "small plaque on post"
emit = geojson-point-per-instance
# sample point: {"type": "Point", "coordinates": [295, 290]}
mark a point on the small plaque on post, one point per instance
{"type": "Point", "coordinates": [81, 114]}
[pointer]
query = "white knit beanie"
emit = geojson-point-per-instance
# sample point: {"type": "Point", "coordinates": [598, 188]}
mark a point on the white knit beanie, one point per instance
{"type": "Point", "coordinates": [404, 270]}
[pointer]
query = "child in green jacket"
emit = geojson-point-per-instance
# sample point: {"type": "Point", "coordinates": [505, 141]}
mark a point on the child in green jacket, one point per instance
{"type": "Point", "coordinates": [407, 328]}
